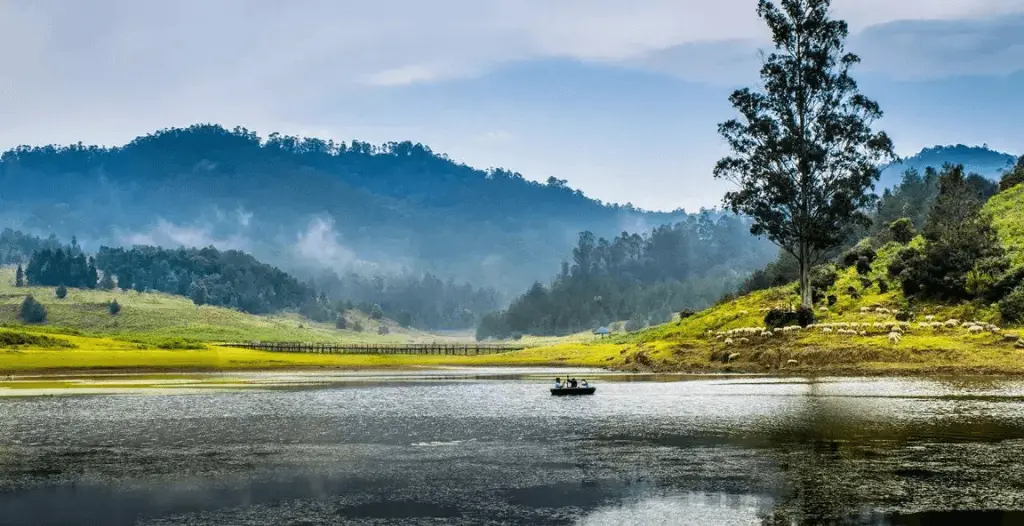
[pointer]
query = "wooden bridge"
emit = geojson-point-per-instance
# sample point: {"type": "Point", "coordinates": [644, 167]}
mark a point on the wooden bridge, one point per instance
{"type": "Point", "coordinates": [447, 349]}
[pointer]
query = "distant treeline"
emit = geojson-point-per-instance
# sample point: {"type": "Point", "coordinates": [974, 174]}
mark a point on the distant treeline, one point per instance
{"type": "Point", "coordinates": [17, 247]}
{"type": "Point", "coordinates": [237, 280]}
{"type": "Point", "coordinates": [643, 279]}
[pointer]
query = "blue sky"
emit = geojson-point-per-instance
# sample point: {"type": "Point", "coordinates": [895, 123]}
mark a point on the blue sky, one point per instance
{"type": "Point", "coordinates": [620, 97]}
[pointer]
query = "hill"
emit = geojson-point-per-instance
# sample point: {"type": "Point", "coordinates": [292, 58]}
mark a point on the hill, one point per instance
{"type": "Point", "coordinates": [852, 335]}
{"type": "Point", "coordinates": [164, 320]}
{"type": "Point", "coordinates": [304, 204]}
{"type": "Point", "coordinates": [975, 159]}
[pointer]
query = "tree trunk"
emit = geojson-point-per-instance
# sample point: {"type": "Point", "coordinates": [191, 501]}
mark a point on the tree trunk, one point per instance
{"type": "Point", "coordinates": [806, 296]}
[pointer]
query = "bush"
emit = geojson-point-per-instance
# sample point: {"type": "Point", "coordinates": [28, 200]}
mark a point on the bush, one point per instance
{"type": "Point", "coordinates": [17, 338]}
{"type": "Point", "coordinates": [106, 282]}
{"type": "Point", "coordinates": [1013, 178]}
{"type": "Point", "coordinates": [61, 292]}
{"type": "Point", "coordinates": [686, 313]}
{"type": "Point", "coordinates": [777, 318]}
{"type": "Point", "coordinates": [635, 325]}
{"type": "Point", "coordinates": [823, 277]}
{"type": "Point", "coordinates": [1005, 285]}
{"type": "Point", "coordinates": [904, 315]}
{"type": "Point", "coordinates": [376, 312]}
{"type": "Point", "coordinates": [853, 256]}
{"type": "Point", "coordinates": [832, 299]}
{"type": "Point", "coordinates": [805, 316]}
{"type": "Point", "coordinates": [863, 266]}
{"type": "Point", "coordinates": [341, 323]}
{"type": "Point", "coordinates": [902, 230]}
{"type": "Point", "coordinates": [113, 307]}
{"type": "Point", "coordinates": [853, 292]}
{"type": "Point", "coordinates": [1012, 306]}
{"type": "Point", "coordinates": [865, 283]}
{"type": "Point", "coordinates": [32, 311]}
{"type": "Point", "coordinates": [383, 329]}
{"type": "Point", "coordinates": [357, 326]}
{"type": "Point", "coordinates": [883, 286]}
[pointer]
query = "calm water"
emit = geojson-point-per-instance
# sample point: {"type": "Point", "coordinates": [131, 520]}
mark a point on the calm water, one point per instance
{"type": "Point", "coordinates": [453, 449]}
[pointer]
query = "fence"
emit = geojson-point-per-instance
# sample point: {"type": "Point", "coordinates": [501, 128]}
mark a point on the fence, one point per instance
{"type": "Point", "coordinates": [448, 349]}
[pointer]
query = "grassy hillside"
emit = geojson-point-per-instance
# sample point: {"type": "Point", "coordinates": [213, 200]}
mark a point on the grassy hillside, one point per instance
{"type": "Point", "coordinates": [162, 319]}
{"type": "Point", "coordinates": [865, 319]}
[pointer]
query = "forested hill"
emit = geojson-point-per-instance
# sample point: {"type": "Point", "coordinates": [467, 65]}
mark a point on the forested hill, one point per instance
{"type": "Point", "coordinates": [305, 202]}
{"type": "Point", "coordinates": [975, 159]}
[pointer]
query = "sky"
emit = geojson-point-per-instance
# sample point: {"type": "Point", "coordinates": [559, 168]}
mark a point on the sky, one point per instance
{"type": "Point", "coordinates": [620, 97]}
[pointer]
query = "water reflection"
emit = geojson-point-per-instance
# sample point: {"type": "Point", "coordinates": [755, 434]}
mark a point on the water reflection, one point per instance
{"type": "Point", "coordinates": [453, 449]}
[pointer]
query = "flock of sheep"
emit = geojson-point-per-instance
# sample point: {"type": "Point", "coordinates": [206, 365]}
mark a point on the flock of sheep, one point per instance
{"type": "Point", "coordinates": [893, 329]}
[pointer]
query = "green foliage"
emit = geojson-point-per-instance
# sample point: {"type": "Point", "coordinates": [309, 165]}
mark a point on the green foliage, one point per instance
{"type": "Point", "coordinates": [179, 344]}
{"type": "Point", "coordinates": [209, 276]}
{"type": "Point", "coordinates": [1013, 177]}
{"type": "Point", "coordinates": [1007, 211]}
{"type": "Point", "coordinates": [777, 318]}
{"type": "Point", "coordinates": [376, 312]}
{"type": "Point", "coordinates": [975, 159]}
{"type": "Point", "coordinates": [639, 277]}
{"type": "Point", "coordinates": [962, 256]}
{"type": "Point", "coordinates": [383, 329]}
{"type": "Point", "coordinates": [804, 154]}
{"type": "Point", "coordinates": [1011, 308]}
{"type": "Point", "coordinates": [863, 265]}
{"type": "Point", "coordinates": [861, 251]}
{"type": "Point", "coordinates": [357, 326]}
{"type": "Point", "coordinates": [61, 267]}
{"type": "Point", "coordinates": [32, 311]}
{"type": "Point", "coordinates": [10, 339]}
{"type": "Point", "coordinates": [113, 307]}
{"type": "Point", "coordinates": [341, 323]}
{"type": "Point", "coordinates": [61, 292]}
{"type": "Point", "coordinates": [17, 247]}
{"type": "Point", "coordinates": [902, 230]}
{"type": "Point", "coordinates": [19, 277]}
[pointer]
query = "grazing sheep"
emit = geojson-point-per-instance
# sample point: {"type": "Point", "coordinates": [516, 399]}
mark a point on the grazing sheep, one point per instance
{"type": "Point", "coordinates": [792, 362]}
{"type": "Point", "coordinates": [744, 340]}
{"type": "Point", "coordinates": [732, 357]}
{"type": "Point", "coordinates": [865, 310]}
{"type": "Point", "coordinates": [952, 323]}
{"type": "Point", "coordinates": [827, 330]}
{"type": "Point", "coordinates": [767, 334]}
{"type": "Point", "coordinates": [930, 317]}
{"type": "Point", "coordinates": [862, 333]}
{"type": "Point", "coordinates": [823, 309]}
{"type": "Point", "coordinates": [894, 338]}
{"type": "Point", "coordinates": [728, 341]}
{"type": "Point", "coordinates": [1020, 344]}
{"type": "Point", "coordinates": [976, 329]}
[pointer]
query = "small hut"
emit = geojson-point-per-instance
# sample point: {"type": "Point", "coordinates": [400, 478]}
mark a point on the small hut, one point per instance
{"type": "Point", "coordinates": [601, 332]}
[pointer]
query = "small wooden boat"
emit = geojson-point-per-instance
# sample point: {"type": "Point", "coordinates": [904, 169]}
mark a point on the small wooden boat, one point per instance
{"type": "Point", "coordinates": [571, 391]}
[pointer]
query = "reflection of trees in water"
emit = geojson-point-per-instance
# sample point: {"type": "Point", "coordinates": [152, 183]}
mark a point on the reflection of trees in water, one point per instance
{"type": "Point", "coordinates": [837, 463]}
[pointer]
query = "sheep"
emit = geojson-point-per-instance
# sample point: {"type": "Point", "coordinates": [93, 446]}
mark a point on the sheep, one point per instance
{"type": "Point", "coordinates": [862, 333]}
{"type": "Point", "coordinates": [732, 357]}
{"type": "Point", "coordinates": [930, 317]}
{"type": "Point", "coordinates": [767, 334]}
{"type": "Point", "coordinates": [729, 341]}
{"type": "Point", "coordinates": [826, 330]}
{"type": "Point", "coordinates": [792, 362]}
{"type": "Point", "coordinates": [744, 340]}
{"type": "Point", "coordinates": [894, 338]}
{"type": "Point", "coordinates": [952, 323]}
{"type": "Point", "coordinates": [865, 310]}
{"type": "Point", "coordinates": [976, 329]}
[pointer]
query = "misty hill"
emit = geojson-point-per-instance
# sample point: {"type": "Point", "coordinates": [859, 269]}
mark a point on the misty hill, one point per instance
{"type": "Point", "coordinates": [305, 204]}
{"type": "Point", "coordinates": [975, 159]}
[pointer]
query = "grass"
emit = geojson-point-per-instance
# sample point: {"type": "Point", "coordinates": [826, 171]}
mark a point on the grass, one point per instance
{"type": "Point", "coordinates": [164, 320]}
{"type": "Point", "coordinates": [86, 353]}
{"type": "Point", "coordinates": [1007, 210]}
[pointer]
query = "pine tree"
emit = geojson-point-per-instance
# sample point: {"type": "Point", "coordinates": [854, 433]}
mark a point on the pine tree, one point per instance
{"type": "Point", "coordinates": [19, 277]}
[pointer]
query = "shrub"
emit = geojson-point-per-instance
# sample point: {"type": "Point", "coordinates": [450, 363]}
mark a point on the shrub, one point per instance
{"type": "Point", "coordinates": [61, 292]}
{"type": "Point", "coordinates": [635, 325]}
{"type": "Point", "coordinates": [357, 326]}
{"type": "Point", "coordinates": [113, 307]}
{"type": "Point", "coordinates": [106, 282]}
{"type": "Point", "coordinates": [383, 329]}
{"type": "Point", "coordinates": [341, 323]}
{"type": "Point", "coordinates": [805, 316]}
{"type": "Point", "coordinates": [823, 277]}
{"type": "Point", "coordinates": [376, 312]}
{"type": "Point", "coordinates": [17, 338]}
{"type": "Point", "coordinates": [686, 313]}
{"type": "Point", "coordinates": [1005, 285]}
{"type": "Point", "coordinates": [1014, 177]}
{"type": "Point", "coordinates": [865, 283]}
{"type": "Point", "coordinates": [832, 299]}
{"type": "Point", "coordinates": [883, 286]}
{"type": "Point", "coordinates": [853, 292]}
{"type": "Point", "coordinates": [902, 230]}
{"type": "Point", "coordinates": [853, 256]}
{"type": "Point", "coordinates": [32, 311]}
{"type": "Point", "coordinates": [1012, 306]}
{"type": "Point", "coordinates": [777, 318]}
{"type": "Point", "coordinates": [904, 315]}
{"type": "Point", "coordinates": [863, 266]}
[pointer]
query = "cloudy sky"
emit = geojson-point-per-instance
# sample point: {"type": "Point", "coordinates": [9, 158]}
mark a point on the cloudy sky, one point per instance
{"type": "Point", "coordinates": [620, 97]}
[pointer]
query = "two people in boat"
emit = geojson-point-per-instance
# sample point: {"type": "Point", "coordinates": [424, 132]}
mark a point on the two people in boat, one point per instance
{"type": "Point", "coordinates": [570, 383]}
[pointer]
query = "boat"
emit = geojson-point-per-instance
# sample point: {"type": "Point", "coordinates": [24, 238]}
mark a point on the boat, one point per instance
{"type": "Point", "coordinates": [571, 391]}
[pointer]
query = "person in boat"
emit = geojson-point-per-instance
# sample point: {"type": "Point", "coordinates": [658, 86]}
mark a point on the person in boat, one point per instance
{"type": "Point", "coordinates": [584, 383]}
{"type": "Point", "coordinates": [558, 383]}
{"type": "Point", "coordinates": [572, 383]}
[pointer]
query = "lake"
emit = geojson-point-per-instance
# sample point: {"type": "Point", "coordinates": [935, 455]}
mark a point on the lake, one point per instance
{"type": "Point", "coordinates": [494, 447]}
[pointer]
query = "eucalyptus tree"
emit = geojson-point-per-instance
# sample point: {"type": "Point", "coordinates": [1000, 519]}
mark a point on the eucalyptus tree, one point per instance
{"type": "Point", "coordinates": [804, 154]}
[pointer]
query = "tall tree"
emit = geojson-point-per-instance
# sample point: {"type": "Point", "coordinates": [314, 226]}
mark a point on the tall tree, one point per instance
{"type": "Point", "coordinates": [19, 277]}
{"type": "Point", "coordinates": [804, 153]}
